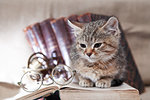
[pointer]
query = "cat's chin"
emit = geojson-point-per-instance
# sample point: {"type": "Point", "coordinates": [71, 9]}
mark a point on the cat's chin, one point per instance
{"type": "Point", "coordinates": [92, 60]}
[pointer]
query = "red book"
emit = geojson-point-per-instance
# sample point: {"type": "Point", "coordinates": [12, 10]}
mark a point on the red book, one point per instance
{"type": "Point", "coordinates": [49, 37]}
{"type": "Point", "coordinates": [30, 36]}
{"type": "Point", "coordinates": [36, 29]}
{"type": "Point", "coordinates": [85, 18]}
{"type": "Point", "coordinates": [63, 37]}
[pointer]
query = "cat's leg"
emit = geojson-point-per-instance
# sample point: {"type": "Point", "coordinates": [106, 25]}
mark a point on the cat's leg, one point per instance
{"type": "Point", "coordinates": [85, 82]}
{"type": "Point", "coordinates": [104, 82]}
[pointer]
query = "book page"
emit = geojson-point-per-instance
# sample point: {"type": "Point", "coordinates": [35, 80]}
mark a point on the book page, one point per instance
{"type": "Point", "coordinates": [124, 86]}
{"type": "Point", "coordinates": [74, 84]}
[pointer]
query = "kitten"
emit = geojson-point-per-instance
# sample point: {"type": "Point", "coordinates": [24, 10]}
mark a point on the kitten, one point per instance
{"type": "Point", "coordinates": [97, 55]}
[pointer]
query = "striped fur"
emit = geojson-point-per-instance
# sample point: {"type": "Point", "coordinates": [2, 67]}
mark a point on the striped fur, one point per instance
{"type": "Point", "coordinates": [98, 64]}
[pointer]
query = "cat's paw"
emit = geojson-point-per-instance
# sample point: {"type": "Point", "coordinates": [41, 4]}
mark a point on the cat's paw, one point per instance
{"type": "Point", "coordinates": [103, 83]}
{"type": "Point", "coordinates": [86, 83]}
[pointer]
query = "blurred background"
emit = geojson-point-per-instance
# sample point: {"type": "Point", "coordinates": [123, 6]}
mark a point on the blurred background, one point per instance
{"type": "Point", "coordinates": [15, 15]}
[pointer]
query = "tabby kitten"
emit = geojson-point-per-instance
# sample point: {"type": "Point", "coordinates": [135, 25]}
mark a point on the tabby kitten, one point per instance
{"type": "Point", "coordinates": [97, 55]}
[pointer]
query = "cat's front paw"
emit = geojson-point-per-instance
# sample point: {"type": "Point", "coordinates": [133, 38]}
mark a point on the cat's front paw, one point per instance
{"type": "Point", "coordinates": [103, 83]}
{"type": "Point", "coordinates": [86, 83]}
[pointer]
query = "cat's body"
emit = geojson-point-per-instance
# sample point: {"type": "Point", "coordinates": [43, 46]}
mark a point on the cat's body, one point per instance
{"type": "Point", "coordinates": [97, 55]}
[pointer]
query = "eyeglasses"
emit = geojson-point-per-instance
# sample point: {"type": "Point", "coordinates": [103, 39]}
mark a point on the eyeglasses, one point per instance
{"type": "Point", "coordinates": [43, 71]}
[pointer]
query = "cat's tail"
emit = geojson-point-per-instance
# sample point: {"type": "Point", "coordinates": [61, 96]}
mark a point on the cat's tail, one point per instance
{"type": "Point", "coordinates": [116, 82]}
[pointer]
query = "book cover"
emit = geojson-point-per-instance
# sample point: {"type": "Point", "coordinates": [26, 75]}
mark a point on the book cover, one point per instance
{"type": "Point", "coordinates": [63, 38]}
{"type": "Point", "coordinates": [36, 29]}
{"type": "Point", "coordinates": [50, 39]}
{"type": "Point", "coordinates": [30, 36]}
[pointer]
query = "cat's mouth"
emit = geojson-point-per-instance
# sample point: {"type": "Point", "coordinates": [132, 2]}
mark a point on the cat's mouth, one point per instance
{"type": "Point", "coordinates": [90, 59]}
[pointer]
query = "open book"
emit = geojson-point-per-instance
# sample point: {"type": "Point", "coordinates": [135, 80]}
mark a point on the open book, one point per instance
{"type": "Point", "coordinates": [74, 92]}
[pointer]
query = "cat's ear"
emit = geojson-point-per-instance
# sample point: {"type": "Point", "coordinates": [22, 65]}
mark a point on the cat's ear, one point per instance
{"type": "Point", "coordinates": [112, 26]}
{"type": "Point", "coordinates": [76, 27]}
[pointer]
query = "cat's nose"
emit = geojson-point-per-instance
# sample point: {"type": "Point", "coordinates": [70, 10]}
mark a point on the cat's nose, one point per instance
{"type": "Point", "coordinates": [89, 54]}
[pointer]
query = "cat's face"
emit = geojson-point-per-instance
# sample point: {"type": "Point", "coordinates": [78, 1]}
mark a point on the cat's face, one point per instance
{"type": "Point", "coordinates": [97, 40]}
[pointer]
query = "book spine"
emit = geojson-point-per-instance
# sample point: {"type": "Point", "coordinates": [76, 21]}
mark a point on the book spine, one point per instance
{"type": "Point", "coordinates": [63, 38]}
{"type": "Point", "coordinates": [73, 18]}
{"type": "Point", "coordinates": [31, 39]}
{"type": "Point", "coordinates": [85, 18]}
{"type": "Point", "coordinates": [39, 37]}
{"type": "Point", "coordinates": [50, 39]}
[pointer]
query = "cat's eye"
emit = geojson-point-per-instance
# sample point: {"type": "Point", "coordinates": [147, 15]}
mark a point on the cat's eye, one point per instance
{"type": "Point", "coordinates": [83, 45]}
{"type": "Point", "coordinates": [97, 45]}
